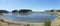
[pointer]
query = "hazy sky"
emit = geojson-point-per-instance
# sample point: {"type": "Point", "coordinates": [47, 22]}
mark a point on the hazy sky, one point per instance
{"type": "Point", "coordinates": [36, 5]}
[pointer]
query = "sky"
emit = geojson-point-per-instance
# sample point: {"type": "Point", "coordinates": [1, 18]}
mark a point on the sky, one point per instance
{"type": "Point", "coordinates": [35, 5]}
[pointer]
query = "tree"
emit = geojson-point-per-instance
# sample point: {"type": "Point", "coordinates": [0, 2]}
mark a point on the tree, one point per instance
{"type": "Point", "coordinates": [51, 10]}
{"type": "Point", "coordinates": [14, 11]}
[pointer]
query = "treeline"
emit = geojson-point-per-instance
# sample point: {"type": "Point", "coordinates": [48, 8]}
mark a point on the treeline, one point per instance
{"type": "Point", "coordinates": [52, 11]}
{"type": "Point", "coordinates": [16, 11]}
{"type": "Point", "coordinates": [4, 11]}
{"type": "Point", "coordinates": [25, 11]}
{"type": "Point", "coordinates": [21, 11]}
{"type": "Point", "coordinates": [55, 11]}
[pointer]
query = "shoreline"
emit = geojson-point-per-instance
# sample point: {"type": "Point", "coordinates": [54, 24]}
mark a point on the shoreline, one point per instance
{"type": "Point", "coordinates": [20, 22]}
{"type": "Point", "coordinates": [14, 23]}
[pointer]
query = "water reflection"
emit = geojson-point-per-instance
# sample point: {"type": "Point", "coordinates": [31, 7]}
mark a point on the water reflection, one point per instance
{"type": "Point", "coordinates": [21, 14]}
{"type": "Point", "coordinates": [25, 13]}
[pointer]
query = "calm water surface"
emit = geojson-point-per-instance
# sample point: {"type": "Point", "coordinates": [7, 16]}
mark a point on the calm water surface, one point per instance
{"type": "Point", "coordinates": [33, 17]}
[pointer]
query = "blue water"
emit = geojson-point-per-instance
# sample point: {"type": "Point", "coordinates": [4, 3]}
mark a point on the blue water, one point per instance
{"type": "Point", "coordinates": [34, 17]}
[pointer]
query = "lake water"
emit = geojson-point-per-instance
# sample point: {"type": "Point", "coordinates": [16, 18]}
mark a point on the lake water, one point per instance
{"type": "Point", "coordinates": [33, 17]}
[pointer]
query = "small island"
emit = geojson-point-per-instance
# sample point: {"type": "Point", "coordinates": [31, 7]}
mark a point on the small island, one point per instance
{"type": "Point", "coordinates": [25, 11]}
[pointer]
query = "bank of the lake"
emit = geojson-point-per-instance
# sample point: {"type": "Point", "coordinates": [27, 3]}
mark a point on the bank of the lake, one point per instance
{"type": "Point", "coordinates": [56, 22]}
{"type": "Point", "coordinates": [8, 22]}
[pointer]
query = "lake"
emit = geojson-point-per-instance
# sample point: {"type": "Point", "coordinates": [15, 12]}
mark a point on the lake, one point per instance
{"type": "Point", "coordinates": [33, 17]}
